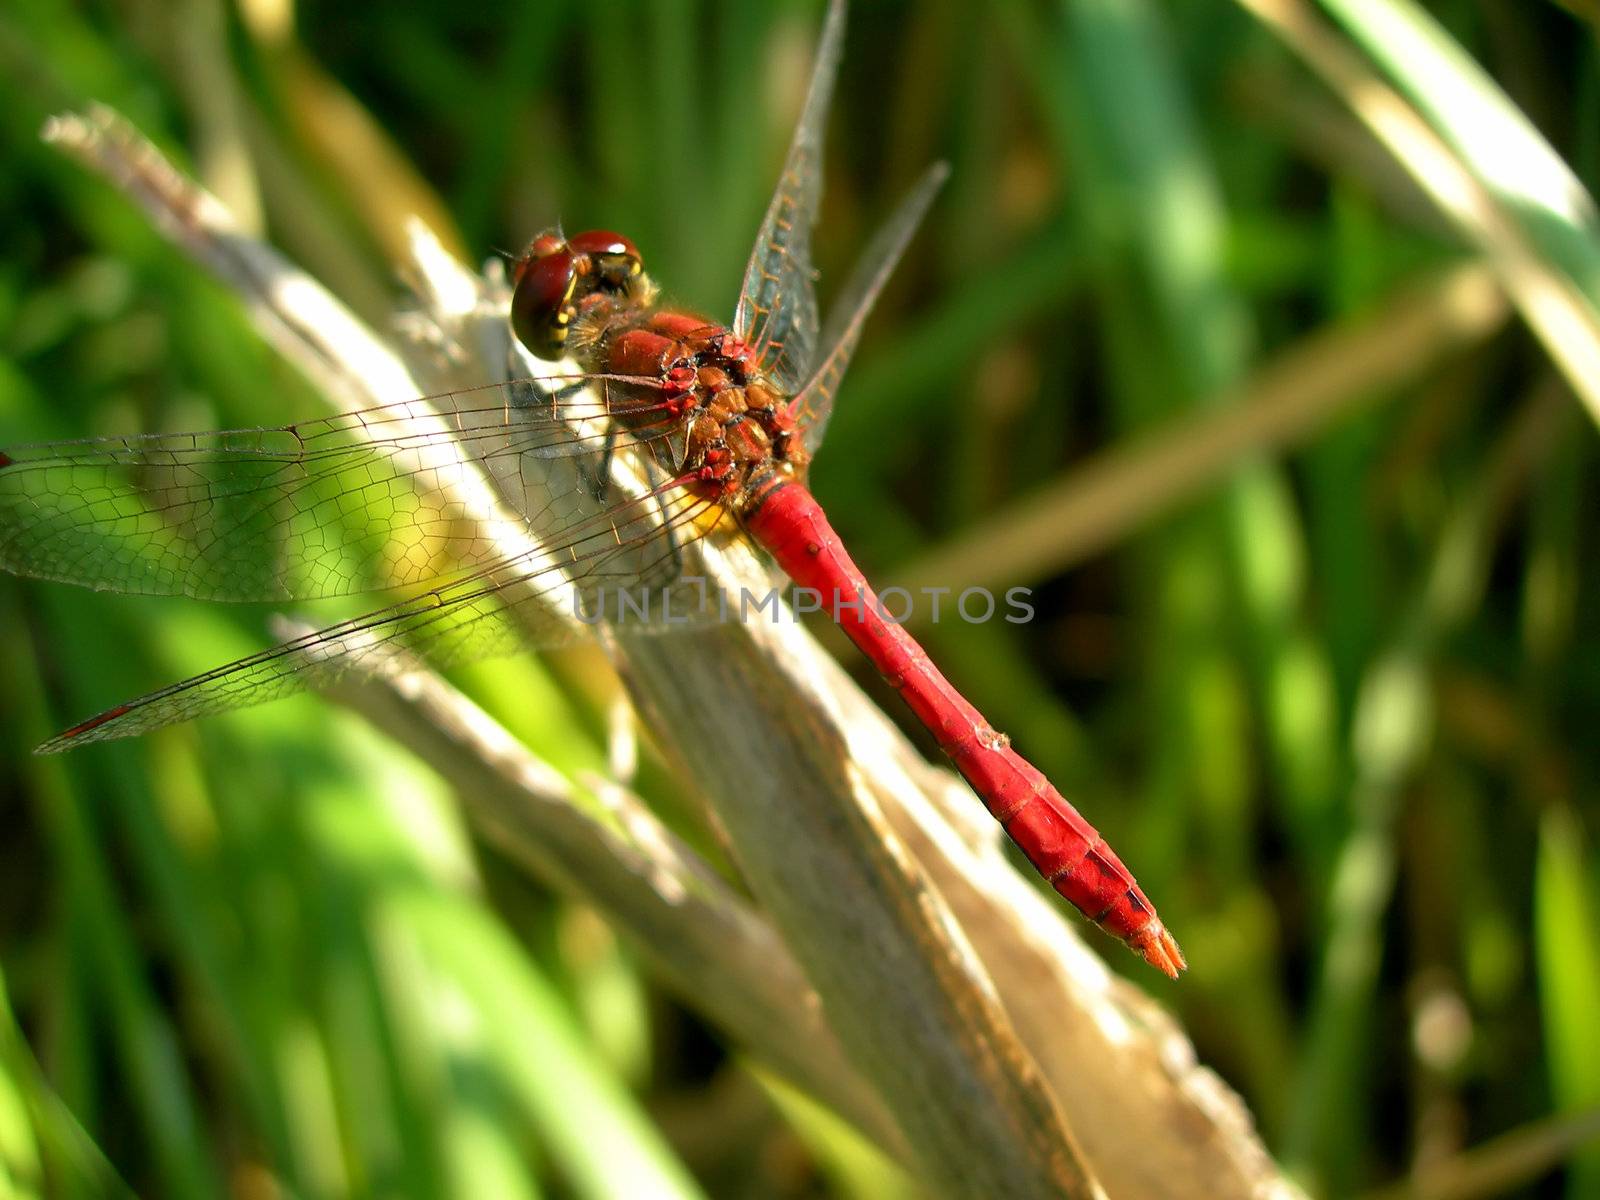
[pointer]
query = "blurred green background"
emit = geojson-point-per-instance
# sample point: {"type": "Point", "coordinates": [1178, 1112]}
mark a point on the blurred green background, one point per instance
{"type": "Point", "coordinates": [1336, 700]}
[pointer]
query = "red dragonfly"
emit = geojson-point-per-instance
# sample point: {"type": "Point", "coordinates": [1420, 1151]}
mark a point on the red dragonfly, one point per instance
{"type": "Point", "coordinates": [719, 423]}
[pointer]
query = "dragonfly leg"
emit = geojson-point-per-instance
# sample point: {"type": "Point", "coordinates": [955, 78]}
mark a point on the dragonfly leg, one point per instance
{"type": "Point", "coordinates": [600, 481]}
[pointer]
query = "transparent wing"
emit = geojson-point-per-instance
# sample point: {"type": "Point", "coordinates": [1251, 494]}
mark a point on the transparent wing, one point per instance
{"type": "Point", "coordinates": [777, 313]}
{"type": "Point", "coordinates": [323, 508]}
{"type": "Point", "coordinates": [633, 549]}
{"type": "Point", "coordinates": [813, 403]}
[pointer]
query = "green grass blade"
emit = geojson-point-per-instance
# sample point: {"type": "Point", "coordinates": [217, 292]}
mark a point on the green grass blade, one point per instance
{"type": "Point", "coordinates": [1567, 943]}
{"type": "Point", "coordinates": [1495, 139]}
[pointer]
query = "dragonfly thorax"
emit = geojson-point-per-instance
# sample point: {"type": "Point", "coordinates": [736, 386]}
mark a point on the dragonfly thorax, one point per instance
{"type": "Point", "coordinates": [733, 424]}
{"type": "Point", "coordinates": [587, 298]}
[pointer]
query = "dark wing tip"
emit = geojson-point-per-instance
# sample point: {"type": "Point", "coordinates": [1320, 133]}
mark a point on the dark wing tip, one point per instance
{"type": "Point", "coordinates": [5, 460]}
{"type": "Point", "coordinates": [65, 739]}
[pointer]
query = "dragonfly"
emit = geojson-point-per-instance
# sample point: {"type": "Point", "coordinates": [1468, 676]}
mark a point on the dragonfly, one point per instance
{"type": "Point", "coordinates": [719, 423]}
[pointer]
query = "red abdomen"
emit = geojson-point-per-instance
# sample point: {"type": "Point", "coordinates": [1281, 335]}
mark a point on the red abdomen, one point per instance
{"type": "Point", "coordinates": [1062, 846]}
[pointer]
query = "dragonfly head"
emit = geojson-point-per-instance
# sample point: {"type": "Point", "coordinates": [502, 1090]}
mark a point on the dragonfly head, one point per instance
{"type": "Point", "coordinates": [555, 275]}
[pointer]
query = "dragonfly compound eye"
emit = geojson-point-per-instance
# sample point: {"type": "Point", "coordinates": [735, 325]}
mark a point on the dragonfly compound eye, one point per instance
{"type": "Point", "coordinates": [542, 300]}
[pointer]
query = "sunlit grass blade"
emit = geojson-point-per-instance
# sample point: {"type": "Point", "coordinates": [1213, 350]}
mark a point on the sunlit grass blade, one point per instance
{"type": "Point", "coordinates": [1494, 138]}
{"type": "Point", "coordinates": [40, 1141]}
{"type": "Point", "coordinates": [856, 1167]}
{"type": "Point", "coordinates": [1567, 942]}
{"type": "Point", "coordinates": [527, 1041]}
{"type": "Point", "coordinates": [21, 1162]}
{"type": "Point", "coordinates": [1558, 311]}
